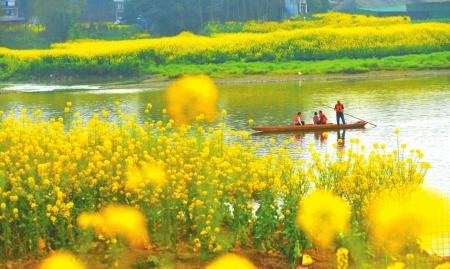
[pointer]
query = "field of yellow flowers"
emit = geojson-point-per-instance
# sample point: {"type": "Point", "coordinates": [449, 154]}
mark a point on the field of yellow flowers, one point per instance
{"type": "Point", "coordinates": [332, 38]}
{"type": "Point", "coordinates": [329, 19]}
{"type": "Point", "coordinates": [73, 188]}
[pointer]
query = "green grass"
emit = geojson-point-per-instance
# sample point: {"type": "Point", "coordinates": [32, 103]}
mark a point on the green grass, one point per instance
{"type": "Point", "coordinates": [438, 60]}
{"type": "Point", "coordinates": [13, 69]}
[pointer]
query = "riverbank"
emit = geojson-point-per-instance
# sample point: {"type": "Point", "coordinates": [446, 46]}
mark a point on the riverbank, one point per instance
{"type": "Point", "coordinates": [158, 81]}
{"type": "Point", "coordinates": [329, 49]}
{"type": "Point", "coordinates": [242, 72]}
{"type": "Point", "coordinates": [162, 81]}
{"type": "Point", "coordinates": [437, 60]}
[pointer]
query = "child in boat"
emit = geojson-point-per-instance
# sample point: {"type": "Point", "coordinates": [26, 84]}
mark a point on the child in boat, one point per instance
{"type": "Point", "coordinates": [316, 119]}
{"type": "Point", "coordinates": [322, 118]}
{"type": "Point", "coordinates": [299, 119]}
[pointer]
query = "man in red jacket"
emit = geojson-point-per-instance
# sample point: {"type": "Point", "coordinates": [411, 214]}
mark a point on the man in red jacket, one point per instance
{"type": "Point", "coordinates": [339, 108]}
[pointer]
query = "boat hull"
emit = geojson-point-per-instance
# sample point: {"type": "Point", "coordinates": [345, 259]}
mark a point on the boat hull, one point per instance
{"type": "Point", "coordinates": [309, 127]}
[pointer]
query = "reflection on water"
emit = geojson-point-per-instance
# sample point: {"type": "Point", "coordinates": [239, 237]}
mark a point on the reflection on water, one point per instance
{"type": "Point", "coordinates": [44, 88]}
{"type": "Point", "coordinates": [418, 107]}
{"type": "Point", "coordinates": [340, 139]}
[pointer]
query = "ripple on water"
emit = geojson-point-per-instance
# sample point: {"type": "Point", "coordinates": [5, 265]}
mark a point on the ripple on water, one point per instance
{"type": "Point", "coordinates": [115, 91]}
{"type": "Point", "coordinates": [45, 88]}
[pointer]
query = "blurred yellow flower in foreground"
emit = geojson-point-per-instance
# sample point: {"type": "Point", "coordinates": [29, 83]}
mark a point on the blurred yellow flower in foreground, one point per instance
{"type": "Point", "coordinates": [323, 215]}
{"type": "Point", "coordinates": [231, 261]}
{"type": "Point", "coordinates": [191, 96]}
{"type": "Point", "coordinates": [148, 173]}
{"type": "Point", "coordinates": [399, 220]}
{"type": "Point", "coordinates": [443, 266]}
{"type": "Point", "coordinates": [124, 221]}
{"type": "Point", "coordinates": [61, 260]}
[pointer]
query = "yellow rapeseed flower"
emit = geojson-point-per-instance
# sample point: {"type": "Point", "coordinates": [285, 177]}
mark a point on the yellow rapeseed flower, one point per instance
{"type": "Point", "coordinates": [148, 173]}
{"type": "Point", "coordinates": [60, 260]}
{"type": "Point", "coordinates": [398, 220]}
{"type": "Point", "coordinates": [231, 261]}
{"type": "Point", "coordinates": [307, 260]}
{"type": "Point", "coordinates": [191, 96]}
{"type": "Point", "coordinates": [396, 265]}
{"type": "Point", "coordinates": [445, 265]}
{"type": "Point", "coordinates": [323, 215]}
{"type": "Point", "coordinates": [127, 222]}
{"type": "Point", "coordinates": [342, 258]}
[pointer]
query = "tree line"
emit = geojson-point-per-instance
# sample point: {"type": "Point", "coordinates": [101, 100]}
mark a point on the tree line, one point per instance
{"type": "Point", "coordinates": [168, 17]}
{"type": "Point", "coordinates": [162, 17]}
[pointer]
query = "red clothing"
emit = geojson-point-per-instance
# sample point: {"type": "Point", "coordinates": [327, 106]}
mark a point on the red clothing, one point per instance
{"type": "Point", "coordinates": [322, 118]}
{"type": "Point", "coordinates": [339, 108]}
{"type": "Point", "coordinates": [316, 119]}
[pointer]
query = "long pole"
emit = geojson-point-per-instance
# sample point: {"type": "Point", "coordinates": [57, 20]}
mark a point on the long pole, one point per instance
{"type": "Point", "coordinates": [354, 116]}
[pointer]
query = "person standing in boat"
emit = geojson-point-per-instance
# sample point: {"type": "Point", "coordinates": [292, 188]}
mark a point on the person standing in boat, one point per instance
{"type": "Point", "coordinates": [339, 108]}
{"type": "Point", "coordinates": [322, 118]}
{"type": "Point", "coordinates": [299, 119]}
{"type": "Point", "coordinates": [316, 119]}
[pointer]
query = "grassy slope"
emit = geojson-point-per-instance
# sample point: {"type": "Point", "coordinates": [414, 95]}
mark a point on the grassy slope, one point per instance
{"type": "Point", "coordinates": [438, 60]}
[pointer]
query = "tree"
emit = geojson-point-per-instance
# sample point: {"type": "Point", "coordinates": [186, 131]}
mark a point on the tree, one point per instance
{"type": "Point", "coordinates": [58, 16]}
{"type": "Point", "coordinates": [98, 11]}
{"type": "Point", "coordinates": [315, 6]}
{"type": "Point", "coordinates": [168, 17]}
{"type": "Point", "coordinates": [25, 8]}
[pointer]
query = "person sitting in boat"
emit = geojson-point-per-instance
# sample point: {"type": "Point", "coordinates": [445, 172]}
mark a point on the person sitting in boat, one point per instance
{"type": "Point", "coordinates": [316, 118]}
{"type": "Point", "coordinates": [299, 119]}
{"type": "Point", "coordinates": [322, 118]}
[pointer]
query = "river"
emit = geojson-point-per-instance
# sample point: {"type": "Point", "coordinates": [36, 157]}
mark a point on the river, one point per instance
{"type": "Point", "coordinates": [419, 107]}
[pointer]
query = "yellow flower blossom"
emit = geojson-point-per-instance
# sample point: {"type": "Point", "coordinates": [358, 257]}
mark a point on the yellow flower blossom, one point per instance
{"type": "Point", "coordinates": [148, 173]}
{"type": "Point", "coordinates": [190, 97]}
{"type": "Point", "coordinates": [342, 258]}
{"type": "Point", "coordinates": [396, 265]}
{"type": "Point", "coordinates": [59, 260]}
{"type": "Point", "coordinates": [119, 220]}
{"type": "Point", "coordinates": [398, 220]}
{"type": "Point", "coordinates": [307, 260]}
{"type": "Point", "coordinates": [229, 261]}
{"type": "Point", "coordinates": [445, 265]}
{"type": "Point", "coordinates": [323, 215]}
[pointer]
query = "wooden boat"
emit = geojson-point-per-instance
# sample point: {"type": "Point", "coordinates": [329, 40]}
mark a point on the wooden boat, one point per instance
{"type": "Point", "coordinates": [309, 127]}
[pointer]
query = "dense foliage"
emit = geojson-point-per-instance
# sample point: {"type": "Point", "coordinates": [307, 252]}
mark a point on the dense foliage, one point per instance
{"type": "Point", "coordinates": [27, 36]}
{"type": "Point", "coordinates": [175, 16]}
{"type": "Point", "coordinates": [22, 36]}
{"type": "Point", "coordinates": [106, 31]}
{"type": "Point", "coordinates": [191, 186]}
{"type": "Point", "coordinates": [164, 17]}
{"type": "Point", "coordinates": [117, 182]}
